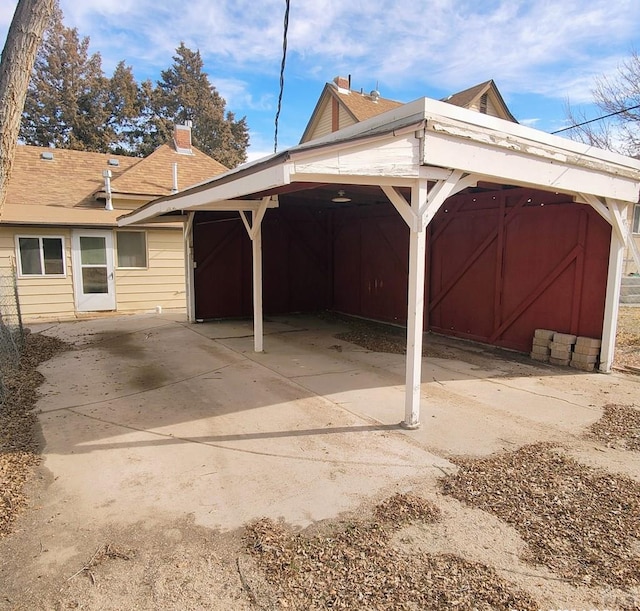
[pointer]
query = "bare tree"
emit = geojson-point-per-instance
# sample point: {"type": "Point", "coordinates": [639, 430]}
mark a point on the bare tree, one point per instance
{"type": "Point", "coordinates": [618, 98]}
{"type": "Point", "coordinates": [19, 54]}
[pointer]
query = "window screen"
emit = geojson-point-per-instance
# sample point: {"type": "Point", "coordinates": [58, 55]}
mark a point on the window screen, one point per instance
{"type": "Point", "coordinates": [635, 227]}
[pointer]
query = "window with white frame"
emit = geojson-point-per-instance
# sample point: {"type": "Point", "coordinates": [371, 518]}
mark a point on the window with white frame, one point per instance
{"type": "Point", "coordinates": [635, 224]}
{"type": "Point", "coordinates": [40, 255]}
{"type": "Point", "coordinates": [132, 249]}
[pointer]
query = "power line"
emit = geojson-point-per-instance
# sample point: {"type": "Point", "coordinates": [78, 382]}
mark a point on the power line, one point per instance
{"type": "Point", "coordinates": [612, 114]}
{"type": "Point", "coordinates": [284, 59]}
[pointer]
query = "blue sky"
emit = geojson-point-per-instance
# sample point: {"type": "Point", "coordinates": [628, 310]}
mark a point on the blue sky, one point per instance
{"type": "Point", "coordinates": [540, 53]}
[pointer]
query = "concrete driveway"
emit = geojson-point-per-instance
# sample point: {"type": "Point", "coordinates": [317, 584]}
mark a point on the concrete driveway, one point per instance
{"type": "Point", "coordinates": [151, 418]}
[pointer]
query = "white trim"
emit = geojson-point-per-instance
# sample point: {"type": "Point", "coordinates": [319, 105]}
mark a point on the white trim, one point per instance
{"type": "Point", "coordinates": [635, 220]}
{"type": "Point", "coordinates": [40, 237]}
{"type": "Point", "coordinates": [93, 302]}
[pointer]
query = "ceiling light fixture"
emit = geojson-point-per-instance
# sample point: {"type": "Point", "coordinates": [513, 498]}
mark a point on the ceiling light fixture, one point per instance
{"type": "Point", "coordinates": [340, 198]}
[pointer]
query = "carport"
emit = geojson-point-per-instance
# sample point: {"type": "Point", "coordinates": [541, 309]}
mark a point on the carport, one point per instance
{"type": "Point", "coordinates": [417, 157]}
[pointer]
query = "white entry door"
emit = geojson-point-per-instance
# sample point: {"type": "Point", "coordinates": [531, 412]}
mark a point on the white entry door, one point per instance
{"type": "Point", "coordinates": [93, 270]}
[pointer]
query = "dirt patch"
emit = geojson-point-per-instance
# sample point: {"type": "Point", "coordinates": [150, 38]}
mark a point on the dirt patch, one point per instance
{"type": "Point", "coordinates": [379, 337]}
{"type": "Point", "coordinates": [580, 522]}
{"type": "Point", "coordinates": [19, 445]}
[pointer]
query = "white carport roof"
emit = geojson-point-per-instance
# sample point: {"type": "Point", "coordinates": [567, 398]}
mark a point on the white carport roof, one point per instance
{"type": "Point", "coordinates": [436, 149]}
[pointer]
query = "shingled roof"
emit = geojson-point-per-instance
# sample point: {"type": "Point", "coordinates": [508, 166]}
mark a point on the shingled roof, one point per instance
{"type": "Point", "coordinates": [360, 106]}
{"type": "Point", "coordinates": [66, 187]}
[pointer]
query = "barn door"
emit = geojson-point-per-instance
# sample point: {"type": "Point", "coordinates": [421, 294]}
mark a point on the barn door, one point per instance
{"type": "Point", "coordinates": [507, 262]}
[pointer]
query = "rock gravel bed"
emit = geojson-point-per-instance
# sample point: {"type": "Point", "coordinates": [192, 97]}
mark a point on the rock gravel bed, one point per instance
{"type": "Point", "coordinates": [628, 339]}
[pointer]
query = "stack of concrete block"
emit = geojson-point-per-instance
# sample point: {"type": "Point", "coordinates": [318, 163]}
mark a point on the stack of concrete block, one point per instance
{"type": "Point", "coordinates": [562, 348]}
{"type": "Point", "coordinates": [586, 353]}
{"type": "Point", "coordinates": [540, 350]}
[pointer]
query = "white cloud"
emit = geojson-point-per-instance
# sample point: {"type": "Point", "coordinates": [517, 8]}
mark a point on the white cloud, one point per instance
{"type": "Point", "coordinates": [410, 47]}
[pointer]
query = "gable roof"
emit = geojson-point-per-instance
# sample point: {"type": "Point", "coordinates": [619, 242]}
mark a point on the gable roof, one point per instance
{"type": "Point", "coordinates": [359, 106]}
{"type": "Point", "coordinates": [470, 98]}
{"type": "Point", "coordinates": [153, 176]}
{"type": "Point", "coordinates": [68, 188]}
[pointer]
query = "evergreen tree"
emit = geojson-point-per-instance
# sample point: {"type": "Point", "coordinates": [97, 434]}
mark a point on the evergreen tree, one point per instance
{"type": "Point", "coordinates": [71, 104]}
{"type": "Point", "coordinates": [185, 93]}
{"type": "Point", "coordinates": [65, 100]}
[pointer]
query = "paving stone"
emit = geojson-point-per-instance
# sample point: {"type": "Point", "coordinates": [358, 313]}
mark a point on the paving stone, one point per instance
{"type": "Point", "coordinates": [564, 338]}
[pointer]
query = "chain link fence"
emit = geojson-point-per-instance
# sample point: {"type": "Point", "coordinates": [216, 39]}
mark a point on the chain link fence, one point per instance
{"type": "Point", "coordinates": [11, 328]}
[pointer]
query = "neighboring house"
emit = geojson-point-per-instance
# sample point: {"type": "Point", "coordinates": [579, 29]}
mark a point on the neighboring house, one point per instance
{"type": "Point", "coordinates": [58, 228]}
{"type": "Point", "coordinates": [339, 106]}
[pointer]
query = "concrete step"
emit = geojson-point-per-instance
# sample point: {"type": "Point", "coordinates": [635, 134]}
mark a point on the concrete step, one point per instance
{"type": "Point", "coordinates": [629, 289]}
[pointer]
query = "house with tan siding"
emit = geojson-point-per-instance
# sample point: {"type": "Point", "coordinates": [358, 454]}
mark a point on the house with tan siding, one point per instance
{"type": "Point", "coordinates": [58, 229]}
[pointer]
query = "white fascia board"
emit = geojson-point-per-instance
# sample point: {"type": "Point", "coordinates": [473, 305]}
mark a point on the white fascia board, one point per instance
{"type": "Point", "coordinates": [435, 110]}
{"type": "Point", "coordinates": [205, 197]}
{"type": "Point", "coordinates": [526, 164]}
{"type": "Point", "coordinates": [391, 155]}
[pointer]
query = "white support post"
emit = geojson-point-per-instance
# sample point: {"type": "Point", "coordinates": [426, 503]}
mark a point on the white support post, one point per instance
{"type": "Point", "coordinates": [255, 235]}
{"type": "Point", "coordinates": [189, 267]}
{"type": "Point", "coordinates": [614, 279]}
{"type": "Point", "coordinates": [256, 248]}
{"type": "Point", "coordinates": [415, 311]}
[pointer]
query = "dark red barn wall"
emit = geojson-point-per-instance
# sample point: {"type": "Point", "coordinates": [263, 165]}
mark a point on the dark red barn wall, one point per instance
{"type": "Point", "coordinates": [296, 263]}
{"type": "Point", "coordinates": [371, 266]}
{"type": "Point", "coordinates": [505, 263]}
{"type": "Point", "coordinates": [499, 265]}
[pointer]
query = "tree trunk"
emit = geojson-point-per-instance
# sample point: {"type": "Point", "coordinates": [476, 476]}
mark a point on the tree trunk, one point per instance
{"type": "Point", "coordinates": [25, 35]}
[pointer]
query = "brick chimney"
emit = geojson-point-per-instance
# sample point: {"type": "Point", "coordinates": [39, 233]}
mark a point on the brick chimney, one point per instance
{"type": "Point", "coordinates": [343, 83]}
{"type": "Point", "coordinates": [182, 138]}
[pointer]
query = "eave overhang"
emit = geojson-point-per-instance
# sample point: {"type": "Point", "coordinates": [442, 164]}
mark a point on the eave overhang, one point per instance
{"type": "Point", "coordinates": [423, 139]}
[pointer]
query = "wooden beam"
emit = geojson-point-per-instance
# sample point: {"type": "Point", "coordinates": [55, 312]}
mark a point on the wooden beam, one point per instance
{"type": "Point", "coordinates": [409, 215]}
{"type": "Point", "coordinates": [256, 251]}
